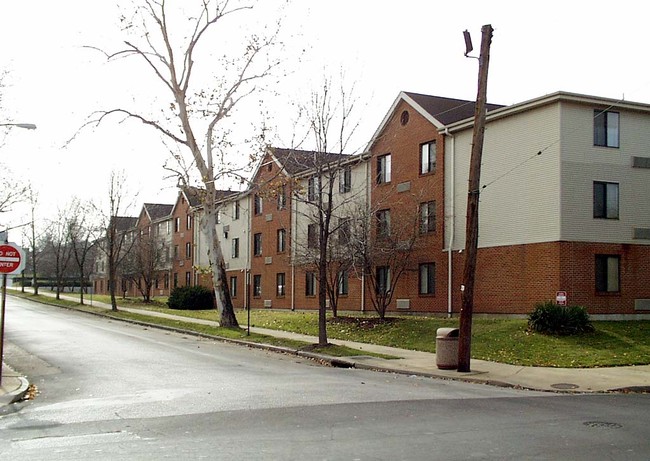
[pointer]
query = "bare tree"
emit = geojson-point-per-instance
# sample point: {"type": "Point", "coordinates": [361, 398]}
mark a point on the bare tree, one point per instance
{"type": "Point", "coordinates": [191, 108]}
{"type": "Point", "coordinates": [58, 252]}
{"type": "Point", "coordinates": [118, 240]}
{"type": "Point", "coordinates": [383, 242]}
{"type": "Point", "coordinates": [33, 237]}
{"type": "Point", "coordinates": [83, 236]}
{"type": "Point", "coordinates": [143, 262]}
{"type": "Point", "coordinates": [326, 201]}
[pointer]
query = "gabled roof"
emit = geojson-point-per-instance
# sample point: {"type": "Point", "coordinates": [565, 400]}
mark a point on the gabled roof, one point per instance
{"type": "Point", "coordinates": [124, 223]}
{"type": "Point", "coordinates": [192, 195]}
{"type": "Point", "coordinates": [447, 110]}
{"type": "Point", "coordinates": [436, 109]}
{"type": "Point", "coordinates": [157, 211]}
{"type": "Point", "coordinates": [296, 161]}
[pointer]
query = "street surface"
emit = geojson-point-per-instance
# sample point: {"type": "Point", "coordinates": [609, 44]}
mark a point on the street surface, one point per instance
{"type": "Point", "coordinates": [111, 390]}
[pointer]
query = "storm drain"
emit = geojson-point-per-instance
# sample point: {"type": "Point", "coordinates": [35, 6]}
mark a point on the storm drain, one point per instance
{"type": "Point", "coordinates": [602, 424]}
{"type": "Point", "coordinates": [564, 386]}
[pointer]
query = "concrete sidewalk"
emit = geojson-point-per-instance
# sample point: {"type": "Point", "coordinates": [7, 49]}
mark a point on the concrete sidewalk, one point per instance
{"type": "Point", "coordinates": [583, 380]}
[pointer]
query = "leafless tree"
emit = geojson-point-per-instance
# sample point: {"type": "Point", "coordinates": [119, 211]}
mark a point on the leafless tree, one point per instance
{"type": "Point", "coordinates": [325, 204]}
{"type": "Point", "coordinates": [33, 237]}
{"type": "Point", "coordinates": [58, 252]}
{"type": "Point", "coordinates": [83, 235]}
{"type": "Point", "coordinates": [194, 111]}
{"type": "Point", "coordinates": [143, 262]}
{"type": "Point", "coordinates": [118, 240]}
{"type": "Point", "coordinates": [383, 242]}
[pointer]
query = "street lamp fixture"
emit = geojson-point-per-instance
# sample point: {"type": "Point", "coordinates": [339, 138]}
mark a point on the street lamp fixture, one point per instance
{"type": "Point", "coordinates": [27, 126]}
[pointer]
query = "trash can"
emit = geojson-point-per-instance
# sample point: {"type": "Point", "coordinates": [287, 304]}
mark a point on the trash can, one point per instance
{"type": "Point", "coordinates": [447, 348]}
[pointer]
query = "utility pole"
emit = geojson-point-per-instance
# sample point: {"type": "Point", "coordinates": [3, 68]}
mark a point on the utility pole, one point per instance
{"type": "Point", "coordinates": [471, 229]}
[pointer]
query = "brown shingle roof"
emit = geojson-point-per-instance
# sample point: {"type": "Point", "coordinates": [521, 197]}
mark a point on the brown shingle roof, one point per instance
{"type": "Point", "coordinates": [157, 211]}
{"type": "Point", "coordinates": [447, 110]}
{"type": "Point", "coordinates": [296, 161]}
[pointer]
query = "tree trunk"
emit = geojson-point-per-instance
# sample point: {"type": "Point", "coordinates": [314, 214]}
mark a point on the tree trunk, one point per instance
{"type": "Point", "coordinates": [215, 259]}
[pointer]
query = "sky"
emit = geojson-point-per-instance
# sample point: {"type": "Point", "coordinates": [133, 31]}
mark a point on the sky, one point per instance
{"type": "Point", "coordinates": [383, 47]}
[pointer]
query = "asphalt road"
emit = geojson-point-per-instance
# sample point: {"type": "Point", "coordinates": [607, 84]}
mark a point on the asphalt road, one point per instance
{"type": "Point", "coordinates": [110, 390]}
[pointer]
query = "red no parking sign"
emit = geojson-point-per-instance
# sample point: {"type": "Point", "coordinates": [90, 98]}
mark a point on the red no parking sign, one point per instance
{"type": "Point", "coordinates": [12, 258]}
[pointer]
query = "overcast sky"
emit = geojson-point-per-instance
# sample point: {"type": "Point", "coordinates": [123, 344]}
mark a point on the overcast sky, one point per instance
{"type": "Point", "coordinates": [592, 47]}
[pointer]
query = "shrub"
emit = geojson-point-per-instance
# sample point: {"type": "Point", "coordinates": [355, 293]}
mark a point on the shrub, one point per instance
{"type": "Point", "coordinates": [191, 298]}
{"type": "Point", "coordinates": [549, 318]}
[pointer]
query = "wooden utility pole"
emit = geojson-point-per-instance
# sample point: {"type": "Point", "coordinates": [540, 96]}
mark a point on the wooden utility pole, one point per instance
{"type": "Point", "coordinates": [471, 229]}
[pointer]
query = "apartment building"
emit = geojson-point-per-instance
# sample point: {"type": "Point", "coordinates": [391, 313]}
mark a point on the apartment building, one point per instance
{"type": "Point", "coordinates": [564, 207]}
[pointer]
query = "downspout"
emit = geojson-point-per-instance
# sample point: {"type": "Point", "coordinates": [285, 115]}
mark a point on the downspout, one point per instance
{"type": "Point", "coordinates": [367, 207]}
{"type": "Point", "coordinates": [293, 220]}
{"type": "Point", "coordinates": [452, 221]}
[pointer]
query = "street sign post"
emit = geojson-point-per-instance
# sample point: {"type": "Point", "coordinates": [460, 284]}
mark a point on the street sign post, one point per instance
{"type": "Point", "coordinates": [12, 261]}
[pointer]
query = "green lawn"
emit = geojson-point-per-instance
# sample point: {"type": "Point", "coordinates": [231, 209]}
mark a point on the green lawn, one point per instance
{"type": "Point", "coordinates": [499, 340]}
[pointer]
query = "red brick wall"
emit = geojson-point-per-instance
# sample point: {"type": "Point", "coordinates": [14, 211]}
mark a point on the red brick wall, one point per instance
{"type": "Point", "coordinates": [403, 143]}
{"type": "Point", "coordinates": [512, 279]}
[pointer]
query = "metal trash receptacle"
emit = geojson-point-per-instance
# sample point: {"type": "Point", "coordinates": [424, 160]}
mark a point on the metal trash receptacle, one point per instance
{"type": "Point", "coordinates": [447, 348]}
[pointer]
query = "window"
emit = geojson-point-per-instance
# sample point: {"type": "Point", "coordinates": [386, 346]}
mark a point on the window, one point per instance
{"type": "Point", "coordinates": [257, 285]}
{"type": "Point", "coordinates": [427, 157]}
{"type": "Point", "coordinates": [176, 252]}
{"type": "Point", "coordinates": [282, 240]}
{"type": "Point", "coordinates": [257, 244]}
{"type": "Point", "coordinates": [188, 222]}
{"type": "Point", "coordinates": [312, 189]}
{"type": "Point", "coordinates": [608, 273]}
{"type": "Point", "coordinates": [427, 217]}
{"type": "Point", "coordinates": [282, 197]}
{"type": "Point", "coordinates": [310, 284]}
{"type": "Point", "coordinates": [606, 128]}
{"type": "Point", "coordinates": [218, 218]}
{"type": "Point", "coordinates": [344, 231]}
{"type": "Point", "coordinates": [235, 248]}
{"type": "Point", "coordinates": [427, 279]}
{"type": "Point", "coordinates": [169, 227]}
{"type": "Point", "coordinates": [343, 282]}
{"type": "Point", "coordinates": [345, 180]}
{"type": "Point", "coordinates": [188, 250]}
{"type": "Point", "coordinates": [605, 200]}
{"type": "Point", "coordinates": [257, 204]}
{"type": "Point", "coordinates": [166, 280]}
{"type": "Point", "coordinates": [233, 287]}
{"type": "Point", "coordinates": [175, 279]}
{"type": "Point", "coordinates": [383, 169]}
{"type": "Point", "coordinates": [188, 279]}
{"type": "Point", "coordinates": [312, 236]}
{"type": "Point", "coordinates": [177, 224]}
{"type": "Point", "coordinates": [280, 284]}
{"type": "Point", "coordinates": [383, 223]}
{"type": "Point", "coordinates": [235, 211]}
{"type": "Point", "coordinates": [383, 280]}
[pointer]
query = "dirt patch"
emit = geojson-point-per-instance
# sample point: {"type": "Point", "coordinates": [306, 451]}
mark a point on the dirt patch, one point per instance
{"type": "Point", "coordinates": [362, 323]}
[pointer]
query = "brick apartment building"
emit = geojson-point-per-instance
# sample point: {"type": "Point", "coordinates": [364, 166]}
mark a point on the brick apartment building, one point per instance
{"type": "Point", "coordinates": [563, 207]}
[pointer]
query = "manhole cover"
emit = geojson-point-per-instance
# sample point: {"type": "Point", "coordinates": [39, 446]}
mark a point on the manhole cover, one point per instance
{"type": "Point", "coordinates": [564, 386]}
{"type": "Point", "coordinates": [604, 424]}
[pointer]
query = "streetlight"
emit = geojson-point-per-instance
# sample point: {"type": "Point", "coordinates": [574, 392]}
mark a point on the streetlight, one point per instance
{"type": "Point", "coordinates": [27, 126]}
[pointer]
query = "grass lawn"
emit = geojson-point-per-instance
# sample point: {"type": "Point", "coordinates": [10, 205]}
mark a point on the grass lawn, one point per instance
{"type": "Point", "coordinates": [499, 340]}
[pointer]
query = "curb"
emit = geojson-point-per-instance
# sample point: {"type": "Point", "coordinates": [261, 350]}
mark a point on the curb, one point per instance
{"type": "Point", "coordinates": [339, 362]}
{"type": "Point", "coordinates": [17, 395]}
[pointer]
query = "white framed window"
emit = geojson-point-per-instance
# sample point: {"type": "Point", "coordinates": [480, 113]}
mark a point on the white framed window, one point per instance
{"type": "Point", "coordinates": [427, 278]}
{"type": "Point", "coordinates": [383, 169]}
{"type": "Point", "coordinates": [428, 157]}
{"type": "Point", "coordinates": [427, 217]}
{"type": "Point", "coordinates": [608, 273]}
